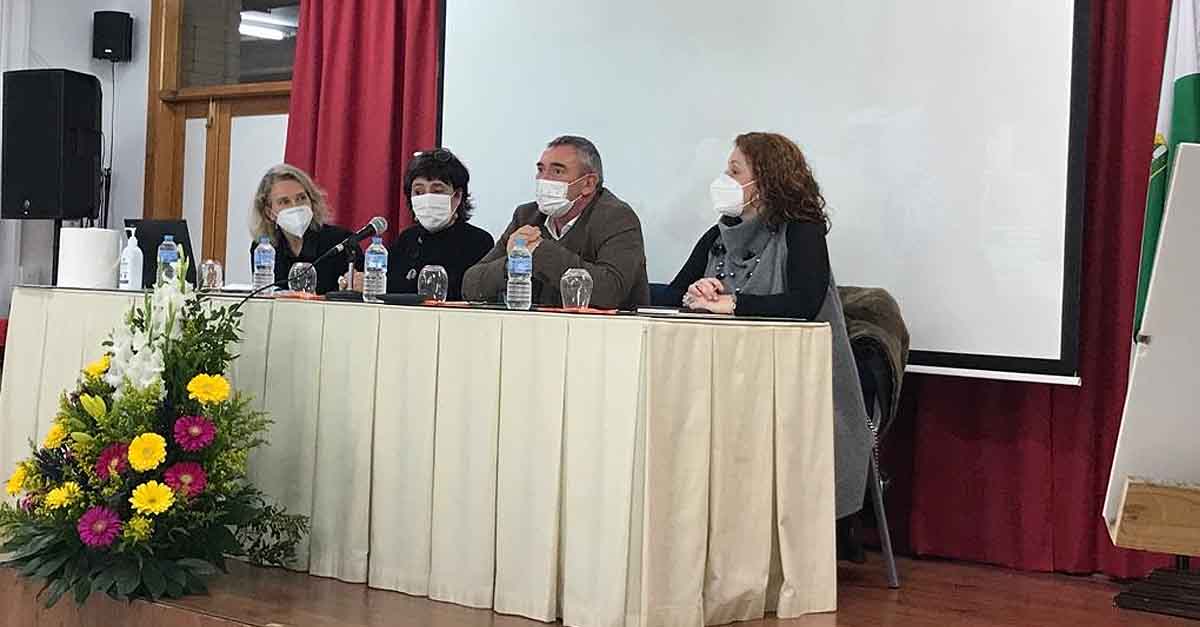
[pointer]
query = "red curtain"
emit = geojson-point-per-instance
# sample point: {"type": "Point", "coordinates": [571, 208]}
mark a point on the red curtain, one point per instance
{"type": "Point", "coordinates": [364, 98]}
{"type": "Point", "coordinates": [1015, 474]}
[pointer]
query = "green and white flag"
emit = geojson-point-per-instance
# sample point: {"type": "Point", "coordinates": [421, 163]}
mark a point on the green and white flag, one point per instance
{"type": "Point", "coordinates": [1178, 121]}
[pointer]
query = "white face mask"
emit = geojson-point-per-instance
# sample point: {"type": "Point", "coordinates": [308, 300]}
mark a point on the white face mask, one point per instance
{"type": "Point", "coordinates": [552, 197]}
{"type": "Point", "coordinates": [432, 210]}
{"type": "Point", "coordinates": [728, 196]}
{"type": "Point", "coordinates": [295, 220]}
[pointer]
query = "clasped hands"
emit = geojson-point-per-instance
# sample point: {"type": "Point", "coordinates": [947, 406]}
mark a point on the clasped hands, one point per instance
{"type": "Point", "coordinates": [708, 294]}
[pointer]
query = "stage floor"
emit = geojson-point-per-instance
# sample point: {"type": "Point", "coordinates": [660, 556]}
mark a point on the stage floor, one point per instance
{"type": "Point", "coordinates": [934, 594]}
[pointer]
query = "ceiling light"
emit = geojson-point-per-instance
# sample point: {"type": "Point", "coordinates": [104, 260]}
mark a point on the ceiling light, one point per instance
{"type": "Point", "coordinates": [261, 32]}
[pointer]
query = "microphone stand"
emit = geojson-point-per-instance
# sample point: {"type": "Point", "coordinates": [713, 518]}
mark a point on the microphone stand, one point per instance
{"type": "Point", "coordinates": [260, 290]}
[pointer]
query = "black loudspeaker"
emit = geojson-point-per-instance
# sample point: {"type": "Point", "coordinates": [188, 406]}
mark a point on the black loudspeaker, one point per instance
{"type": "Point", "coordinates": [51, 145]}
{"type": "Point", "coordinates": [112, 36]}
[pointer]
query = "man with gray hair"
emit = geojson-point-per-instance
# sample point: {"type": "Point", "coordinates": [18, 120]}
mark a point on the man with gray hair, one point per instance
{"type": "Point", "coordinates": [575, 222]}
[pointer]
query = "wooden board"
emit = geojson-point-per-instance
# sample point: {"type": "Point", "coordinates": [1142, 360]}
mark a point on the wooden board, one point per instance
{"type": "Point", "coordinates": [1160, 518]}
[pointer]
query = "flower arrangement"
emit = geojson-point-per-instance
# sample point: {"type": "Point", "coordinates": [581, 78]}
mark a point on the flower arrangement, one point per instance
{"type": "Point", "coordinates": [139, 487]}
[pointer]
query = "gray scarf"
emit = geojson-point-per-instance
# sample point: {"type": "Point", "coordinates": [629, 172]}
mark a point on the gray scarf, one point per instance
{"type": "Point", "coordinates": [748, 257]}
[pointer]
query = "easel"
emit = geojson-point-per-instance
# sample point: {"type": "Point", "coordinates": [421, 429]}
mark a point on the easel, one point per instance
{"type": "Point", "coordinates": [1153, 501]}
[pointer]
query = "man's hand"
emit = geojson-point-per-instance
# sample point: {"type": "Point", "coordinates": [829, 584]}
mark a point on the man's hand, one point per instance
{"type": "Point", "coordinates": [531, 234]}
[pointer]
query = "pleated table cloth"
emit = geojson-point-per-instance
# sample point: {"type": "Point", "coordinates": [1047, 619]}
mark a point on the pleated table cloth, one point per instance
{"type": "Point", "coordinates": [605, 470]}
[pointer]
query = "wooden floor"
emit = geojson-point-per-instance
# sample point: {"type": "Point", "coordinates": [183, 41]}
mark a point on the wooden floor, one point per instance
{"type": "Point", "coordinates": [935, 594]}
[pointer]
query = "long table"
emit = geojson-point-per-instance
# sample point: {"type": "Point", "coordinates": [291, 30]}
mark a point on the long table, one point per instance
{"type": "Point", "coordinates": [605, 470]}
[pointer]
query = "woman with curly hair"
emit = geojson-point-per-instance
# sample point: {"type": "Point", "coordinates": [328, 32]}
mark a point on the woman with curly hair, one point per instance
{"type": "Point", "coordinates": [767, 256]}
{"type": "Point", "coordinates": [291, 211]}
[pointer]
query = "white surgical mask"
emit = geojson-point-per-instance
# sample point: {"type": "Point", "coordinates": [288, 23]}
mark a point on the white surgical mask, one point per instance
{"type": "Point", "coordinates": [552, 197]}
{"type": "Point", "coordinates": [728, 196]}
{"type": "Point", "coordinates": [295, 220]}
{"type": "Point", "coordinates": [432, 211]}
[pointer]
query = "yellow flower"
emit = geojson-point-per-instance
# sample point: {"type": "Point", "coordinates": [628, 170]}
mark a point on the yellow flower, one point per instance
{"type": "Point", "coordinates": [63, 495]}
{"type": "Point", "coordinates": [147, 451]}
{"type": "Point", "coordinates": [152, 497]}
{"type": "Point", "coordinates": [97, 368]}
{"type": "Point", "coordinates": [139, 528]}
{"type": "Point", "coordinates": [208, 389]}
{"type": "Point", "coordinates": [55, 437]}
{"type": "Point", "coordinates": [17, 480]}
{"type": "Point", "coordinates": [93, 405]}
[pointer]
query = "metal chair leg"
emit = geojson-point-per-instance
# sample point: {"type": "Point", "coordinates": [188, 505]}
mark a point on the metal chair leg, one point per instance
{"type": "Point", "coordinates": [881, 522]}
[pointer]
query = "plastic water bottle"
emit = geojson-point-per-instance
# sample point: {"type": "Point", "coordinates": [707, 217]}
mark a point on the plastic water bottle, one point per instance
{"type": "Point", "coordinates": [375, 271]}
{"type": "Point", "coordinates": [520, 277]}
{"type": "Point", "coordinates": [264, 263]}
{"type": "Point", "coordinates": [168, 261]}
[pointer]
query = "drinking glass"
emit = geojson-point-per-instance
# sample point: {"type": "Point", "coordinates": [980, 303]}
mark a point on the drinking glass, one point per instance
{"type": "Point", "coordinates": [576, 288]}
{"type": "Point", "coordinates": [302, 277]}
{"type": "Point", "coordinates": [212, 275]}
{"type": "Point", "coordinates": [433, 283]}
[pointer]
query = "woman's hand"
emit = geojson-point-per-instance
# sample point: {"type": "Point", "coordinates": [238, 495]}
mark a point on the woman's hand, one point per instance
{"type": "Point", "coordinates": [355, 283]}
{"type": "Point", "coordinates": [724, 304]}
{"type": "Point", "coordinates": [707, 289]}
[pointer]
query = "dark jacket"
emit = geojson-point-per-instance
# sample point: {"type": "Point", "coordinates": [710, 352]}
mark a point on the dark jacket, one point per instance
{"type": "Point", "coordinates": [316, 242]}
{"type": "Point", "coordinates": [606, 241]}
{"type": "Point", "coordinates": [455, 248]}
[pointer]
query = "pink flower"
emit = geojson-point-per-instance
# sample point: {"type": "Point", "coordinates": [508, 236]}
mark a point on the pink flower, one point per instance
{"type": "Point", "coordinates": [193, 433]}
{"type": "Point", "coordinates": [98, 527]}
{"type": "Point", "coordinates": [113, 461]}
{"type": "Point", "coordinates": [186, 477]}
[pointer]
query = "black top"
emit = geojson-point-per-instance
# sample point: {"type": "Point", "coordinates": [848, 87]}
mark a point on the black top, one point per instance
{"type": "Point", "coordinates": [455, 248]}
{"type": "Point", "coordinates": [316, 242]}
{"type": "Point", "coordinates": [807, 277]}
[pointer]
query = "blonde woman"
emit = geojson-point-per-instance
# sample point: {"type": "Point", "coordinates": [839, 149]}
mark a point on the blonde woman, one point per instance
{"type": "Point", "coordinates": [291, 211]}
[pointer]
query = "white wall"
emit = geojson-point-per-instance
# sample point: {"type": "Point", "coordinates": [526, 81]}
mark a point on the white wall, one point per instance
{"type": "Point", "coordinates": [256, 143]}
{"type": "Point", "coordinates": [61, 37]}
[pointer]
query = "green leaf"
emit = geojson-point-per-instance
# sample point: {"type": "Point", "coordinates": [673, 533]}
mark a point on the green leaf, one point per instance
{"type": "Point", "coordinates": [51, 566]}
{"type": "Point", "coordinates": [176, 589]}
{"type": "Point", "coordinates": [30, 567]}
{"type": "Point", "coordinates": [81, 437]}
{"type": "Point", "coordinates": [222, 539]}
{"type": "Point", "coordinates": [83, 589]}
{"type": "Point", "coordinates": [105, 580]}
{"type": "Point", "coordinates": [197, 567]}
{"type": "Point", "coordinates": [76, 425]}
{"type": "Point", "coordinates": [241, 514]}
{"type": "Point", "coordinates": [195, 585]}
{"type": "Point", "coordinates": [173, 573]}
{"type": "Point", "coordinates": [34, 546]}
{"type": "Point", "coordinates": [156, 584]}
{"type": "Point", "coordinates": [55, 591]}
{"type": "Point", "coordinates": [128, 578]}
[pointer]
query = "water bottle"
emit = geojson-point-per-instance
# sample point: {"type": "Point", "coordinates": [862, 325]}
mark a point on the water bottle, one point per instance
{"type": "Point", "coordinates": [520, 277]}
{"type": "Point", "coordinates": [264, 263]}
{"type": "Point", "coordinates": [168, 261]}
{"type": "Point", "coordinates": [375, 271]}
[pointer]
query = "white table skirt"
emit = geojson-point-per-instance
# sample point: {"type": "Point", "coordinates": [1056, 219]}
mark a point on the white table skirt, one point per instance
{"type": "Point", "coordinates": [608, 470]}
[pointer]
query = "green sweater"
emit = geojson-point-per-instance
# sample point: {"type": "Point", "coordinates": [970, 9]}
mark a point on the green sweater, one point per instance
{"type": "Point", "coordinates": [606, 241]}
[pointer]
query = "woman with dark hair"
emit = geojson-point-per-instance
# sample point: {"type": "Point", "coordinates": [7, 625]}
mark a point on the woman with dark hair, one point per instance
{"type": "Point", "coordinates": [436, 188]}
{"type": "Point", "coordinates": [767, 256]}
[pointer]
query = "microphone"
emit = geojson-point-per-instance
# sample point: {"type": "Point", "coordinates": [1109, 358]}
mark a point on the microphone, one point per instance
{"type": "Point", "coordinates": [377, 226]}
